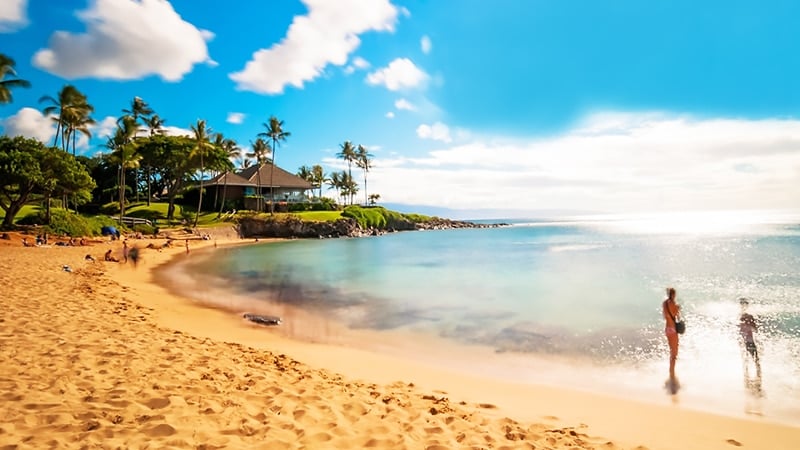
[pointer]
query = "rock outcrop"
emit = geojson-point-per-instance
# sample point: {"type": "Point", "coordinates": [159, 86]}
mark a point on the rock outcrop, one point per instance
{"type": "Point", "coordinates": [294, 227]}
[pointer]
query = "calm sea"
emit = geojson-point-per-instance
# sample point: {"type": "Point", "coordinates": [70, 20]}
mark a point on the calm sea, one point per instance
{"type": "Point", "coordinates": [557, 295]}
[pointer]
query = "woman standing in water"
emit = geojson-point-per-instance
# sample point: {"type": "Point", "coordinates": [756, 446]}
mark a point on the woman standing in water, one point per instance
{"type": "Point", "coordinates": [671, 312]}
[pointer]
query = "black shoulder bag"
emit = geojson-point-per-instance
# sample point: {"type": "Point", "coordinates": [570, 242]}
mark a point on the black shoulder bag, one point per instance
{"type": "Point", "coordinates": [680, 326]}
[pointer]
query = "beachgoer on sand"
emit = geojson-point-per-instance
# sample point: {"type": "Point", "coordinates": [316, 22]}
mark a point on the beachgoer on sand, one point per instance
{"type": "Point", "coordinates": [125, 251]}
{"type": "Point", "coordinates": [672, 315]}
{"type": "Point", "coordinates": [108, 257]}
{"type": "Point", "coordinates": [134, 254]}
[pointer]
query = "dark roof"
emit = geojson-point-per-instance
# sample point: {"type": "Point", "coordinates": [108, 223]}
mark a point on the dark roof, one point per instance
{"type": "Point", "coordinates": [229, 178]}
{"type": "Point", "coordinates": [280, 177]}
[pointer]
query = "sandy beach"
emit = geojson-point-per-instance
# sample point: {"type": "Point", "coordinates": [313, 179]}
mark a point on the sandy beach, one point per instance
{"type": "Point", "coordinates": [95, 354]}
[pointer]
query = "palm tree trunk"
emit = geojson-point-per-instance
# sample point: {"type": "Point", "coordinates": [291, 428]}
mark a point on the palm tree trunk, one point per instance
{"type": "Point", "coordinates": [58, 132]}
{"type": "Point", "coordinates": [216, 196]}
{"type": "Point", "coordinates": [149, 194]}
{"type": "Point", "coordinates": [271, 171]}
{"type": "Point", "coordinates": [121, 192]}
{"type": "Point", "coordinates": [258, 182]}
{"type": "Point", "coordinates": [47, 210]}
{"type": "Point", "coordinates": [366, 201]}
{"type": "Point", "coordinates": [200, 197]}
{"type": "Point", "coordinates": [224, 194]}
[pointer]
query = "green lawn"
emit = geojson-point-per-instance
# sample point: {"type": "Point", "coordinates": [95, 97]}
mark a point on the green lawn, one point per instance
{"type": "Point", "coordinates": [26, 210]}
{"type": "Point", "coordinates": [319, 216]}
{"type": "Point", "coordinates": [158, 212]}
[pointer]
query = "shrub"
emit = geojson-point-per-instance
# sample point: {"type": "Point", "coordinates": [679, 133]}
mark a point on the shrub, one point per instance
{"type": "Point", "coordinates": [67, 223]}
{"type": "Point", "coordinates": [367, 217]}
{"type": "Point", "coordinates": [145, 229]}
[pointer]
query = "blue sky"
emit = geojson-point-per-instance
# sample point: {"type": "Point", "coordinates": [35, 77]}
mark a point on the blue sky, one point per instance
{"type": "Point", "coordinates": [605, 106]}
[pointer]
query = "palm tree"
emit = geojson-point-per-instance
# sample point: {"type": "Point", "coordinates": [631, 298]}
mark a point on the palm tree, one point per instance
{"type": "Point", "coordinates": [304, 172]}
{"type": "Point", "coordinates": [260, 151]}
{"type": "Point", "coordinates": [276, 133]}
{"type": "Point", "coordinates": [373, 198]}
{"type": "Point", "coordinates": [335, 182]}
{"type": "Point", "coordinates": [71, 108]}
{"type": "Point", "coordinates": [139, 108]}
{"type": "Point", "coordinates": [318, 177]}
{"type": "Point", "coordinates": [123, 154]}
{"type": "Point", "coordinates": [364, 161]}
{"type": "Point", "coordinates": [348, 154]}
{"type": "Point", "coordinates": [156, 126]}
{"type": "Point", "coordinates": [80, 124]}
{"type": "Point", "coordinates": [232, 151]}
{"type": "Point", "coordinates": [7, 68]}
{"type": "Point", "coordinates": [201, 147]}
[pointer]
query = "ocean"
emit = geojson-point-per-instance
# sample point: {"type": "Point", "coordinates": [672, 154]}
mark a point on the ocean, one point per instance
{"type": "Point", "coordinates": [574, 302]}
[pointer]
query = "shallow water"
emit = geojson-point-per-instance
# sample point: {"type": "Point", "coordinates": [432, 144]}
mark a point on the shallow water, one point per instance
{"type": "Point", "coordinates": [583, 293]}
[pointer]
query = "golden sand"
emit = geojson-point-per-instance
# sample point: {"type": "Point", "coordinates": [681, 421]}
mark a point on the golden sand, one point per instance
{"type": "Point", "coordinates": [99, 356]}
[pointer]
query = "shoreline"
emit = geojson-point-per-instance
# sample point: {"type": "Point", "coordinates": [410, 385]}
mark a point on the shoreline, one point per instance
{"type": "Point", "coordinates": [636, 381]}
{"type": "Point", "coordinates": [325, 353]}
{"type": "Point", "coordinates": [627, 423]}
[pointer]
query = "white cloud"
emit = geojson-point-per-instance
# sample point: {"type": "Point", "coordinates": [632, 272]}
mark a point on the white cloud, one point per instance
{"type": "Point", "coordinates": [436, 131]}
{"type": "Point", "coordinates": [12, 15]}
{"type": "Point", "coordinates": [235, 118]}
{"type": "Point", "coordinates": [29, 122]}
{"type": "Point", "coordinates": [126, 40]}
{"type": "Point", "coordinates": [404, 104]}
{"type": "Point", "coordinates": [425, 44]}
{"type": "Point", "coordinates": [177, 131]}
{"type": "Point", "coordinates": [105, 128]}
{"type": "Point", "coordinates": [610, 163]}
{"type": "Point", "coordinates": [326, 35]}
{"type": "Point", "coordinates": [399, 74]}
{"type": "Point", "coordinates": [390, 115]}
{"type": "Point", "coordinates": [358, 63]}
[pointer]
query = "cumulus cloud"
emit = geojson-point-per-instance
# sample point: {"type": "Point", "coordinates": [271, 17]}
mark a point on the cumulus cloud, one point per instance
{"type": "Point", "coordinates": [126, 40]}
{"type": "Point", "coordinates": [103, 129]}
{"type": "Point", "coordinates": [235, 118]}
{"type": "Point", "coordinates": [31, 123]}
{"type": "Point", "coordinates": [436, 131]}
{"type": "Point", "coordinates": [358, 63]}
{"type": "Point", "coordinates": [425, 44]}
{"type": "Point", "coordinates": [612, 163]}
{"type": "Point", "coordinates": [403, 104]}
{"type": "Point", "coordinates": [401, 73]}
{"type": "Point", "coordinates": [12, 15]}
{"type": "Point", "coordinates": [390, 115]}
{"type": "Point", "coordinates": [327, 34]}
{"type": "Point", "coordinates": [177, 131]}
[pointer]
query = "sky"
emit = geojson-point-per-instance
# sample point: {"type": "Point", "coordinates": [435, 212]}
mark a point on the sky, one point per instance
{"type": "Point", "coordinates": [513, 106]}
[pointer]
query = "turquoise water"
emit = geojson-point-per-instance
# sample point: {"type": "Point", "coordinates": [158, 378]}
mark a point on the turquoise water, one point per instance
{"type": "Point", "coordinates": [588, 292]}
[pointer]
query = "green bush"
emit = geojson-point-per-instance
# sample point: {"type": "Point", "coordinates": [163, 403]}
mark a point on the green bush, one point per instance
{"type": "Point", "coordinates": [96, 223]}
{"type": "Point", "coordinates": [67, 223]}
{"type": "Point", "coordinates": [382, 218]}
{"type": "Point", "coordinates": [110, 208]}
{"type": "Point", "coordinates": [368, 217]}
{"type": "Point", "coordinates": [145, 229]}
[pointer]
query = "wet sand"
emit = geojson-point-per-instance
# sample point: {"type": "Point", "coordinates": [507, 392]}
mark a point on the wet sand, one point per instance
{"type": "Point", "coordinates": [100, 355]}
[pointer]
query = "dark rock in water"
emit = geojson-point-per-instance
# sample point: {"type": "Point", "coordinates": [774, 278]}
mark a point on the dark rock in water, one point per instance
{"type": "Point", "coordinates": [262, 320]}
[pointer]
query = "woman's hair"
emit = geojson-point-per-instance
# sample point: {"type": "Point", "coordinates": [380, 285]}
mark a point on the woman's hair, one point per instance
{"type": "Point", "coordinates": [671, 293]}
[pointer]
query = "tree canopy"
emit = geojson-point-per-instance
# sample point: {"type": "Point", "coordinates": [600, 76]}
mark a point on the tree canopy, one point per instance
{"type": "Point", "coordinates": [27, 167]}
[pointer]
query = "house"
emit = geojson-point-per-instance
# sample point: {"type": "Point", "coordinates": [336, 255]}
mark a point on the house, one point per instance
{"type": "Point", "coordinates": [242, 188]}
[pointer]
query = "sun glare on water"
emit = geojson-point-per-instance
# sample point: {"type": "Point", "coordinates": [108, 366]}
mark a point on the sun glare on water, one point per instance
{"type": "Point", "coordinates": [705, 222]}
